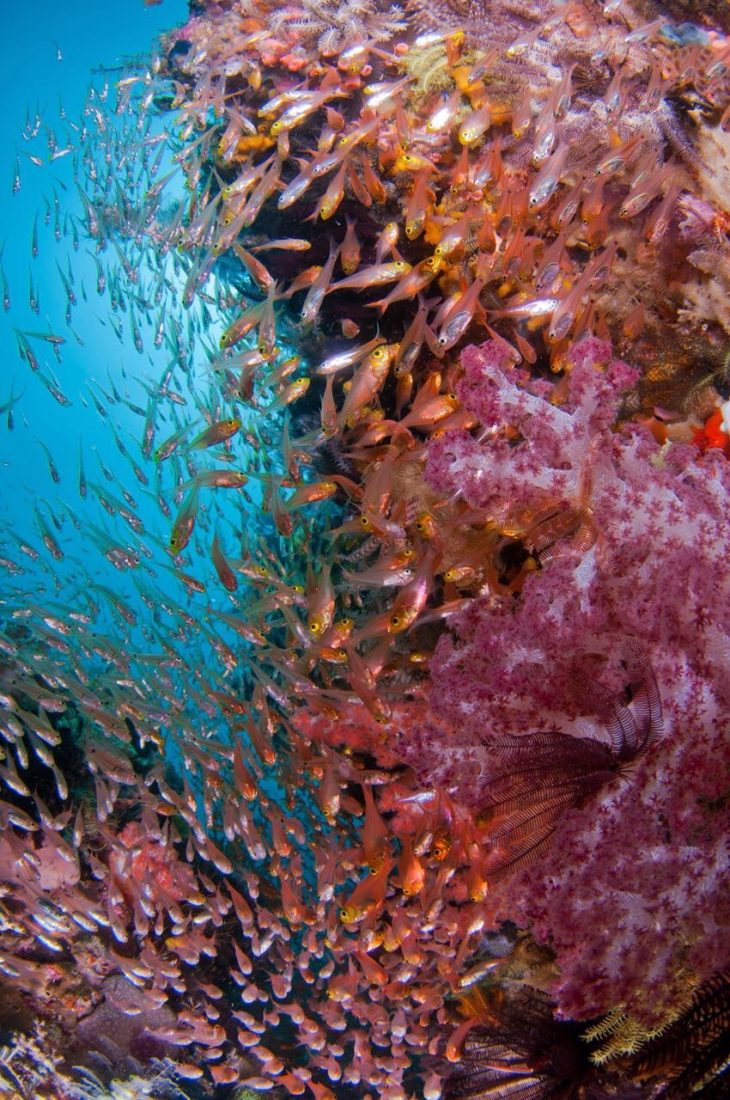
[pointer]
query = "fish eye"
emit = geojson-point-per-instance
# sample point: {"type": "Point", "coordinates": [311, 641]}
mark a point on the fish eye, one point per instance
{"type": "Point", "coordinates": [365, 522]}
{"type": "Point", "coordinates": [395, 620]}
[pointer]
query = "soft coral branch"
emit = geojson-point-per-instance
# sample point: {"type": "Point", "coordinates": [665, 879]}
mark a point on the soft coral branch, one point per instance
{"type": "Point", "coordinates": [630, 894]}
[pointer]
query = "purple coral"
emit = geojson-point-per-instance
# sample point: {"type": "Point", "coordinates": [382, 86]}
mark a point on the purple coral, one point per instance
{"type": "Point", "coordinates": [630, 894]}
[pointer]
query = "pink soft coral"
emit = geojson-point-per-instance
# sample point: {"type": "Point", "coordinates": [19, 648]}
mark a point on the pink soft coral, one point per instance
{"type": "Point", "coordinates": [630, 895]}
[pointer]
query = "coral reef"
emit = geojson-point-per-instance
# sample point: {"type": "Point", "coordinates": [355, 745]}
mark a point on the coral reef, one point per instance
{"type": "Point", "coordinates": [371, 742]}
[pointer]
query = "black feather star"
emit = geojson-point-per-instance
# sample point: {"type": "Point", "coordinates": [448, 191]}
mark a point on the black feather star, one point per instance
{"type": "Point", "coordinates": [521, 1052]}
{"type": "Point", "coordinates": [693, 1054]}
{"type": "Point", "coordinates": [517, 1050]}
{"type": "Point", "coordinates": [537, 777]}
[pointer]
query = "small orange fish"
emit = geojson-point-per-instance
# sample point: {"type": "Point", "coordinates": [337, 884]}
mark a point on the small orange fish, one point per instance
{"type": "Point", "coordinates": [368, 895]}
{"type": "Point", "coordinates": [215, 433]}
{"type": "Point", "coordinates": [409, 284]}
{"type": "Point", "coordinates": [460, 316]}
{"type": "Point", "coordinates": [282, 519]}
{"type": "Point", "coordinates": [341, 360]}
{"type": "Point", "coordinates": [386, 242]}
{"type": "Point", "coordinates": [442, 117]}
{"type": "Point", "coordinates": [328, 412]}
{"type": "Point", "coordinates": [290, 394]}
{"type": "Point", "coordinates": [182, 529]}
{"type": "Point", "coordinates": [350, 250]}
{"type": "Point", "coordinates": [331, 199]}
{"type": "Point", "coordinates": [358, 188]}
{"type": "Point", "coordinates": [375, 834]}
{"type": "Point", "coordinates": [225, 574]}
{"type": "Point", "coordinates": [260, 274]}
{"type": "Point", "coordinates": [373, 184]}
{"type": "Point", "coordinates": [411, 600]}
{"type": "Point", "coordinates": [309, 493]}
{"type": "Point", "coordinates": [366, 383]}
{"type": "Point", "coordinates": [453, 237]}
{"type": "Point", "coordinates": [413, 162]}
{"type": "Point", "coordinates": [321, 603]}
{"type": "Point", "coordinates": [318, 288]}
{"type": "Point", "coordinates": [417, 205]}
{"type": "Point", "coordinates": [245, 782]}
{"type": "Point", "coordinates": [411, 871]}
{"type": "Point", "coordinates": [283, 244]}
{"type": "Point", "coordinates": [374, 275]}
{"type": "Point", "coordinates": [221, 479]}
{"type": "Point", "coordinates": [294, 910]}
{"type": "Point", "coordinates": [372, 970]}
{"type": "Point", "coordinates": [411, 343]}
{"type": "Point", "coordinates": [475, 125]}
{"type": "Point", "coordinates": [328, 793]}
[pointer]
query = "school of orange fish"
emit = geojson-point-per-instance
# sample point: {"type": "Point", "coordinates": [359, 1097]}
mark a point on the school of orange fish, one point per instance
{"type": "Point", "coordinates": [238, 837]}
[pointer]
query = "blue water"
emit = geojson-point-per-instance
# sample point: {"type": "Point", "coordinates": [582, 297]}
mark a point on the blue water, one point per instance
{"type": "Point", "coordinates": [103, 377]}
{"type": "Point", "coordinates": [49, 73]}
{"type": "Point", "coordinates": [89, 36]}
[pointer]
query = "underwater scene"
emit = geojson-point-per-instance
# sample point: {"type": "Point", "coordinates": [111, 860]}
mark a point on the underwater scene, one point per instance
{"type": "Point", "coordinates": [364, 550]}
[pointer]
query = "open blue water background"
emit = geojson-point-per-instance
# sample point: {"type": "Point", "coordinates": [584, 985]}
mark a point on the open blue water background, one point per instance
{"type": "Point", "coordinates": [90, 35]}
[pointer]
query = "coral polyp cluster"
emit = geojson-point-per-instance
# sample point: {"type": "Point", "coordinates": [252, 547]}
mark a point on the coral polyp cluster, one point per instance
{"type": "Point", "coordinates": [390, 762]}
